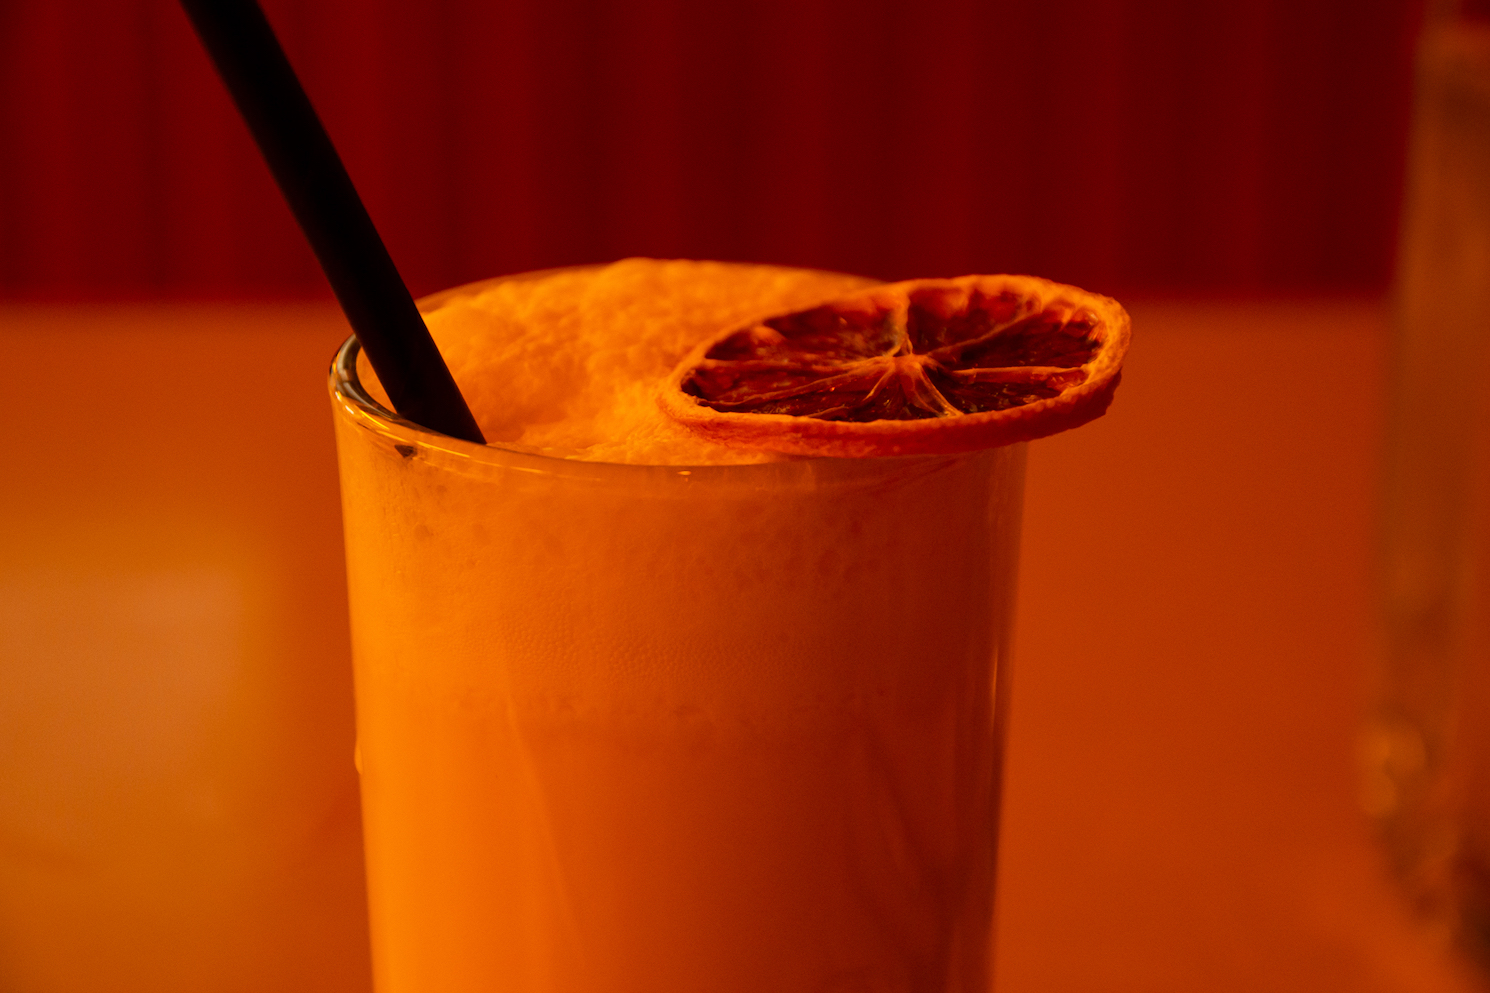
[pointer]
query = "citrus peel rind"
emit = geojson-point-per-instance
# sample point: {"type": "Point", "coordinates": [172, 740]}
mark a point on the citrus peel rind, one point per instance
{"type": "Point", "coordinates": [926, 366]}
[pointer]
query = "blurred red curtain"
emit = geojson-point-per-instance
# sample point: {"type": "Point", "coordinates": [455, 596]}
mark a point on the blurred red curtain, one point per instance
{"type": "Point", "coordinates": [1233, 145]}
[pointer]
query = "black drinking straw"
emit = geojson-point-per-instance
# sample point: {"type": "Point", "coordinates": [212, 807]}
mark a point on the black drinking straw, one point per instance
{"type": "Point", "coordinates": [312, 178]}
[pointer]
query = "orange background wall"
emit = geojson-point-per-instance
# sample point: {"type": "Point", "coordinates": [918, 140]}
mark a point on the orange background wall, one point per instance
{"type": "Point", "coordinates": [1238, 145]}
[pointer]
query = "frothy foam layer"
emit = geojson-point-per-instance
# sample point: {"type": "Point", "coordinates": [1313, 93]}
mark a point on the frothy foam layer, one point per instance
{"type": "Point", "coordinates": [570, 363]}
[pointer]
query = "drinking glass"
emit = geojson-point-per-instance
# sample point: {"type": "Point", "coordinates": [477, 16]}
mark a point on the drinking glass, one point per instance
{"type": "Point", "coordinates": [1427, 746]}
{"type": "Point", "coordinates": [666, 728]}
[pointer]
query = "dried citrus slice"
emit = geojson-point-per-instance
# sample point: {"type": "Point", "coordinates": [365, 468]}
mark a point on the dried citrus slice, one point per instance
{"type": "Point", "coordinates": [923, 366]}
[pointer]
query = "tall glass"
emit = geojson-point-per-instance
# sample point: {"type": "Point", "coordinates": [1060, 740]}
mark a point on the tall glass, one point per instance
{"type": "Point", "coordinates": [1428, 743]}
{"type": "Point", "coordinates": [661, 728]}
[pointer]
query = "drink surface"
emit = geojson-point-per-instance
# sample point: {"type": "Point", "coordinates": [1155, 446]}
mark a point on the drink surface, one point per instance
{"type": "Point", "coordinates": [569, 363]}
{"type": "Point", "coordinates": [653, 728]}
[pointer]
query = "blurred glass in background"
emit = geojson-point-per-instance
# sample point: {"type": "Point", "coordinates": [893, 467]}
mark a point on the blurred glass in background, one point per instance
{"type": "Point", "coordinates": [1427, 748]}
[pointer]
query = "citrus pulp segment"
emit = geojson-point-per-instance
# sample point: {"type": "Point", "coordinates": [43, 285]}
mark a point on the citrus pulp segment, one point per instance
{"type": "Point", "coordinates": [918, 367]}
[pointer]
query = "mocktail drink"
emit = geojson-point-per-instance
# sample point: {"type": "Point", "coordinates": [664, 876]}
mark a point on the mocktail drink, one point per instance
{"type": "Point", "coordinates": [657, 727]}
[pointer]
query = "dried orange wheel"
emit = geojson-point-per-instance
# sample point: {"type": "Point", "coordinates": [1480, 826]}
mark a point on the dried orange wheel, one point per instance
{"type": "Point", "coordinates": [923, 366]}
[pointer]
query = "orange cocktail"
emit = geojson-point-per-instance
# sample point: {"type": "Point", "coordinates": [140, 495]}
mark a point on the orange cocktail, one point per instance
{"type": "Point", "coordinates": [678, 726]}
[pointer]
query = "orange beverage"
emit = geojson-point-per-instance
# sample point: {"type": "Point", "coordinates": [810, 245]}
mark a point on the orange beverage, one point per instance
{"type": "Point", "coordinates": [672, 726]}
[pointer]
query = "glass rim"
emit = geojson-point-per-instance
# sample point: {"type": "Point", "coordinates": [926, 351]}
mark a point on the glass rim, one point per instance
{"type": "Point", "coordinates": [352, 396]}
